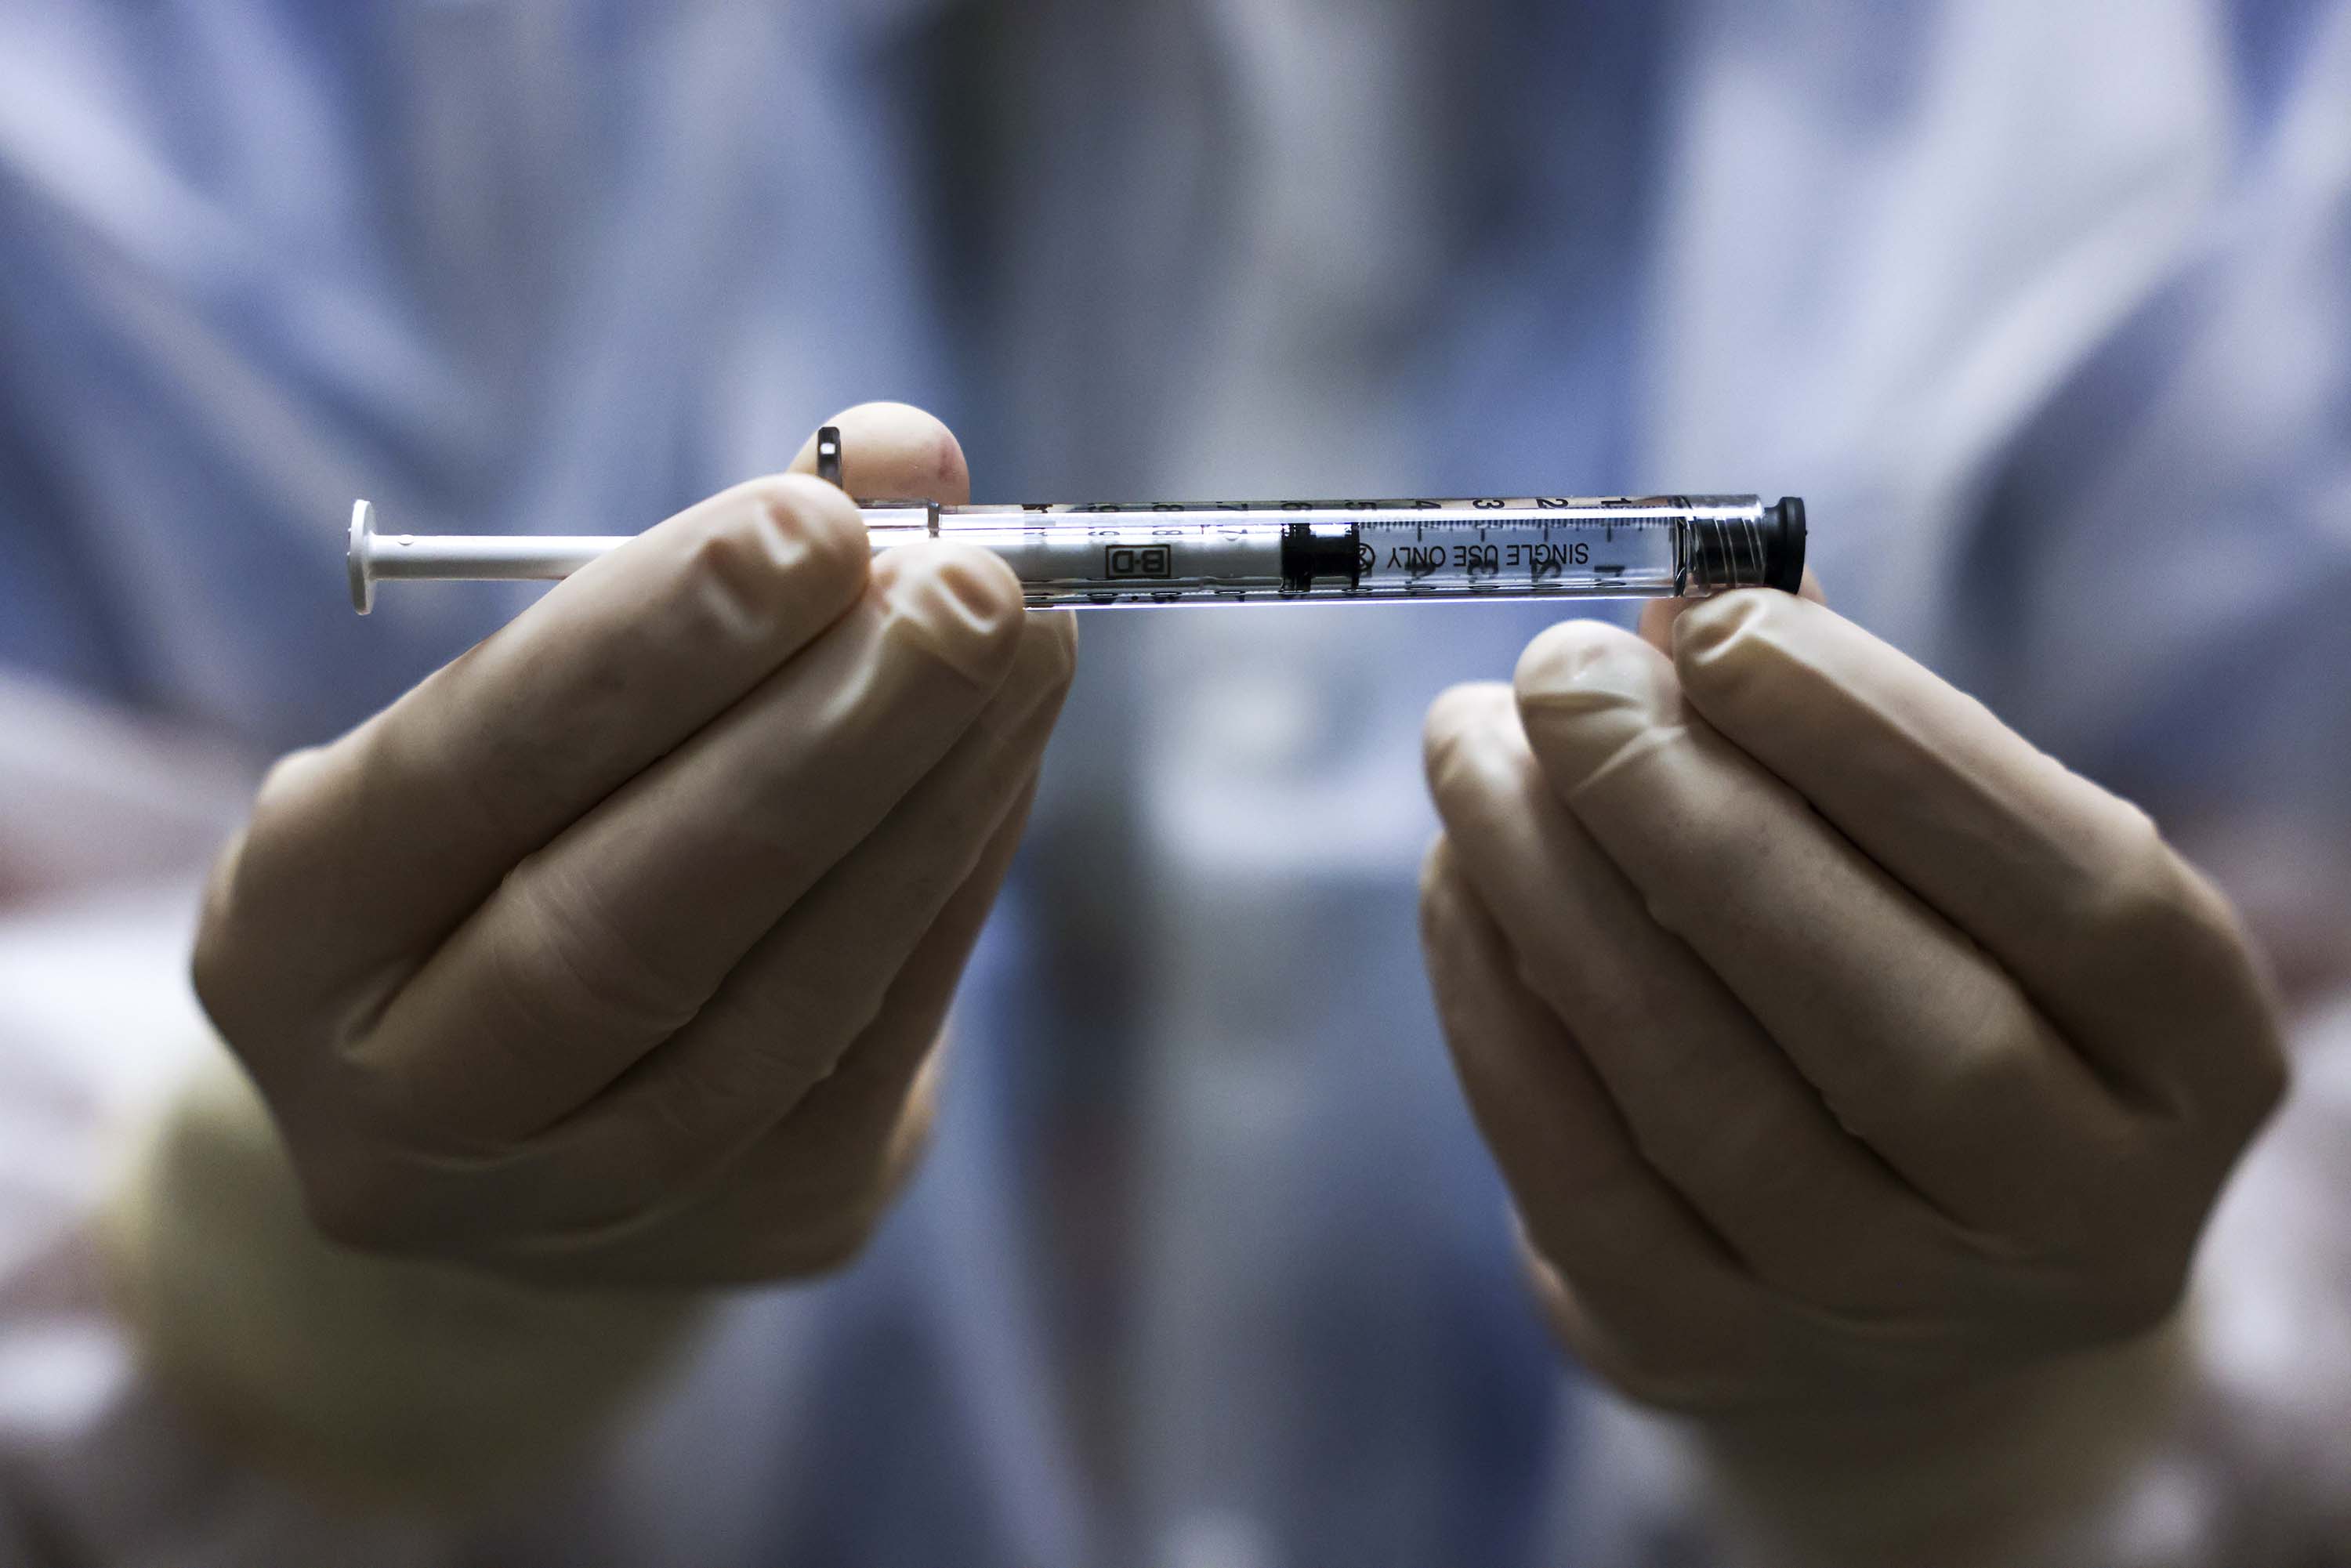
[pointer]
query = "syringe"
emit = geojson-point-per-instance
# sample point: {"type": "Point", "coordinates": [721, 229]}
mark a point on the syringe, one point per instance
{"type": "Point", "coordinates": [1225, 552]}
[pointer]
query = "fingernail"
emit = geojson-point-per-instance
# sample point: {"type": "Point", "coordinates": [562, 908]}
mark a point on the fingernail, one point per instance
{"type": "Point", "coordinates": [1705, 630]}
{"type": "Point", "coordinates": [1584, 670]}
{"type": "Point", "coordinates": [1039, 676]}
{"type": "Point", "coordinates": [961, 601]}
{"type": "Point", "coordinates": [1457, 717]}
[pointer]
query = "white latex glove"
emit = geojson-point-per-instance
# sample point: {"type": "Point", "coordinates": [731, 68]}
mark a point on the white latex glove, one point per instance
{"type": "Point", "coordinates": [614, 952]}
{"type": "Point", "coordinates": [1842, 1050]}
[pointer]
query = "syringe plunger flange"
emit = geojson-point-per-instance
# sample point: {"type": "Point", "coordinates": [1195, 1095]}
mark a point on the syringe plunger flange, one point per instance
{"type": "Point", "coordinates": [359, 556]}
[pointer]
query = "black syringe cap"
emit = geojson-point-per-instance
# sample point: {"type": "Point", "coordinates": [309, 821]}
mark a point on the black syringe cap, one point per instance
{"type": "Point", "coordinates": [1784, 544]}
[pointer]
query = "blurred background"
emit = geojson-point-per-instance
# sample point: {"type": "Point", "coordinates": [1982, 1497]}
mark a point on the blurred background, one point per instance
{"type": "Point", "coordinates": [2045, 308]}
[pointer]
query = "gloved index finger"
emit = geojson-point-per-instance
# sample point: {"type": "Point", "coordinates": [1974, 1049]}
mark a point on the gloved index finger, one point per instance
{"type": "Point", "coordinates": [2067, 886]}
{"type": "Point", "coordinates": [371, 849]}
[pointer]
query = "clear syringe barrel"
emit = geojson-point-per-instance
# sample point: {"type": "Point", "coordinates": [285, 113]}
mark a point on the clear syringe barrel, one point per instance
{"type": "Point", "coordinates": [1084, 557]}
{"type": "Point", "coordinates": [1373, 551]}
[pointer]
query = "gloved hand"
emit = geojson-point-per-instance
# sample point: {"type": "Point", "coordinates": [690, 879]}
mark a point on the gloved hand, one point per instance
{"type": "Point", "coordinates": [616, 950]}
{"type": "Point", "coordinates": [1836, 1044]}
